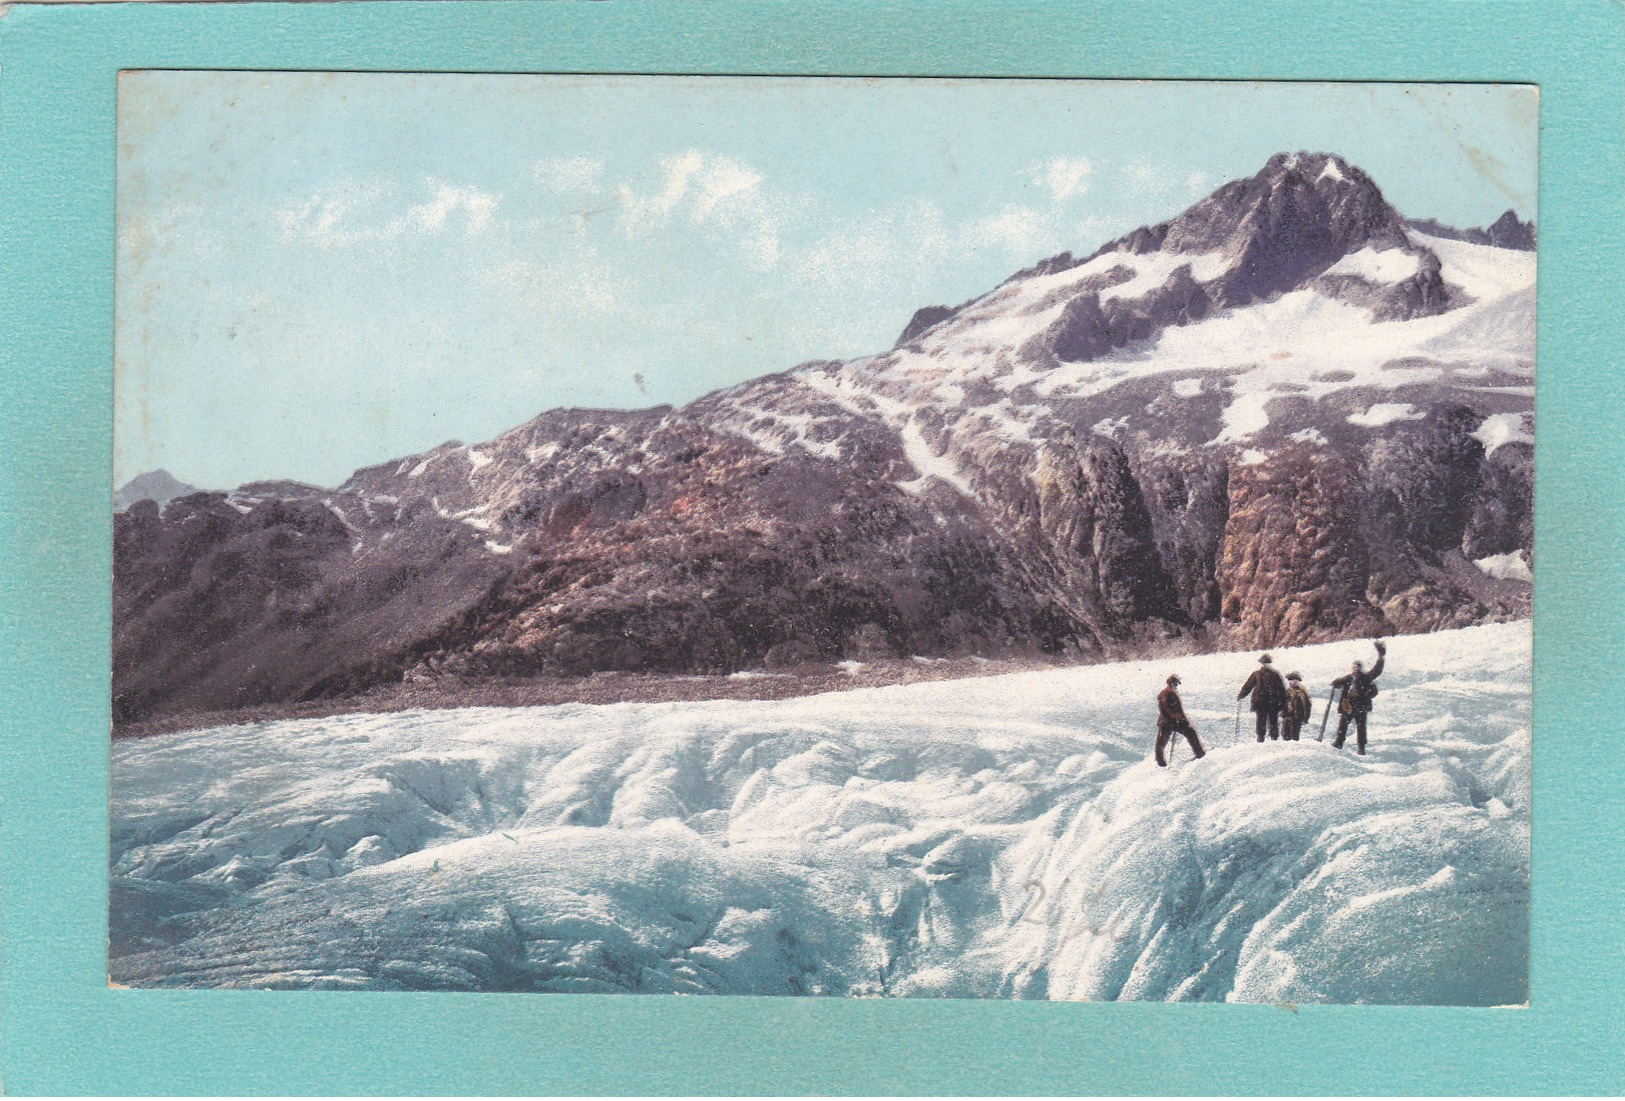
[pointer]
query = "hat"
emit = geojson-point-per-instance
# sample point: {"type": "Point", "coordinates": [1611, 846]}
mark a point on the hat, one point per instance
{"type": "Point", "coordinates": [1264, 659]}
{"type": "Point", "coordinates": [1294, 676]}
{"type": "Point", "coordinates": [1173, 680]}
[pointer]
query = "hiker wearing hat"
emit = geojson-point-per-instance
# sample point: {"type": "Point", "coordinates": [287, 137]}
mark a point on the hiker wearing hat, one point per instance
{"type": "Point", "coordinates": [1358, 689]}
{"type": "Point", "coordinates": [1171, 720]}
{"type": "Point", "coordinates": [1298, 707]}
{"type": "Point", "coordinates": [1268, 691]}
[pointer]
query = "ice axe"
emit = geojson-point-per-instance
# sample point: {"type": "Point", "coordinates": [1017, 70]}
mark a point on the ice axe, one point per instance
{"type": "Point", "coordinates": [1330, 700]}
{"type": "Point", "coordinates": [1236, 734]}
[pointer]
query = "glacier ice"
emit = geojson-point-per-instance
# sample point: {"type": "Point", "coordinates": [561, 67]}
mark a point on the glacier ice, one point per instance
{"type": "Point", "coordinates": [1005, 836]}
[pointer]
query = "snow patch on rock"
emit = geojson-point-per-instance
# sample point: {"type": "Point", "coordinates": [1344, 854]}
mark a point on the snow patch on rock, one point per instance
{"type": "Point", "coordinates": [1512, 566]}
{"type": "Point", "coordinates": [1154, 269]}
{"type": "Point", "coordinates": [1374, 266]}
{"type": "Point", "coordinates": [1385, 412]}
{"type": "Point", "coordinates": [927, 464]}
{"type": "Point", "coordinates": [1245, 417]}
{"type": "Point", "coordinates": [1501, 429]}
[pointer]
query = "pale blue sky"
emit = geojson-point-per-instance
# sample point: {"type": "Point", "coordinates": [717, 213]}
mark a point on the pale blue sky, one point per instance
{"type": "Point", "coordinates": [322, 271]}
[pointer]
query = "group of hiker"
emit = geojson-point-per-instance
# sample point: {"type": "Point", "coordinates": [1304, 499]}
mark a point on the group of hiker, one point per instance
{"type": "Point", "coordinates": [1280, 707]}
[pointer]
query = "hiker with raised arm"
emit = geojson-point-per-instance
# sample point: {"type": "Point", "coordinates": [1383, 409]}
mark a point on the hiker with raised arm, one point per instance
{"type": "Point", "coordinates": [1268, 691]}
{"type": "Point", "coordinates": [1171, 720]}
{"type": "Point", "coordinates": [1358, 689]}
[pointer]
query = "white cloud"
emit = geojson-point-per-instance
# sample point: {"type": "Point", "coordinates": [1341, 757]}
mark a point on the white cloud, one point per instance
{"type": "Point", "coordinates": [321, 217]}
{"type": "Point", "coordinates": [430, 217]}
{"type": "Point", "coordinates": [911, 242]}
{"type": "Point", "coordinates": [1085, 236]}
{"type": "Point", "coordinates": [1018, 229]}
{"type": "Point", "coordinates": [1166, 183]}
{"type": "Point", "coordinates": [715, 188]}
{"type": "Point", "coordinates": [715, 191]}
{"type": "Point", "coordinates": [722, 184]}
{"type": "Point", "coordinates": [1146, 174]}
{"type": "Point", "coordinates": [762, 242]}
{"type": "Point", "coordinates": [567, 174]}
{"type": "Point", "coordinates": [639, 212]}
{"type": "Point", "coordinates": [847, 254]}
{"type": "Point", "coordinates": [1062, 177]}
{"type": "Point", "coordinates": [874, 250]}
{"type": "Point", "coordinates": [356, 212]}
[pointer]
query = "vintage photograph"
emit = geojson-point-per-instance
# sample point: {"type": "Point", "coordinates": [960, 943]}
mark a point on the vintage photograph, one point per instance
{"type": "Point", "coordinates": [1029, 539]}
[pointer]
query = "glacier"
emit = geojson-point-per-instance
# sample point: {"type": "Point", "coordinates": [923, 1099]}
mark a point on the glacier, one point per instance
{"type": "Point", "coordinates": [1002, 836]}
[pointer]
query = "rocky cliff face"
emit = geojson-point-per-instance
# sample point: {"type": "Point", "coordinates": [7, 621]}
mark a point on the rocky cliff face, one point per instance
{"type": "Point", "coordinates": [1287, 415]}
{"type": "Point", "coordinates": [1292, 565]}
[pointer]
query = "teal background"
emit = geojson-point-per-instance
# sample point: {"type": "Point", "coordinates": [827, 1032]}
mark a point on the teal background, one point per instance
{"type": "Point", "coordinates": [63, 1031]}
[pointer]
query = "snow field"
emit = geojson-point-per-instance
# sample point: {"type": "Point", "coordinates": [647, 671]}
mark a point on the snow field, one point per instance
{"type": "Point", "coordinates": [1281, 346]}
{"type": "Point", "coordinates": [1377, 265]}
{"type": "Point", "coordinates": [1003, 836]}
{"type": "Point", "coordinates": [1302, 344]}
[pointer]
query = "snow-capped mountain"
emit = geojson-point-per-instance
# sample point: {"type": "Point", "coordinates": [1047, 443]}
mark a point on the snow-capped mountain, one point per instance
{"type": "Point", "coordinates": [1288, 414]}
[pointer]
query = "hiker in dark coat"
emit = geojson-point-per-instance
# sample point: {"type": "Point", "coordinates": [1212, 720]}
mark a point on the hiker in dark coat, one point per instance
{"type": "Point", "coordinates": [1358, 690]}
{"type": "Point", "coordinates": [1298, 708]}
{"type": "Point", "coordinates": [1171, 720]}
{"type": "Point", "coordinates": [1268, 691]}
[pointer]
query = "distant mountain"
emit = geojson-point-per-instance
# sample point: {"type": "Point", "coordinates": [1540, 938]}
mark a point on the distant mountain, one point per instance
{"type": "Point", "coordinates": [1507, 231]}
{"type": "Point", "coordinates": [157, 486]}
{"type": "Point", "coordinates": [1286, 415]}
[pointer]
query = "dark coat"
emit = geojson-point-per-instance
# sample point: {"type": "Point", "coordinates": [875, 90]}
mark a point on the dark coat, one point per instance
{"type": "Point", "coordinates": [1298, 703]}
{"type": "Point", "coordinates": [1267, 689]}
{"type": "Point", "coordinates": [1170, 712]}
{"type": "Point", "coordinates": [1358, 689]}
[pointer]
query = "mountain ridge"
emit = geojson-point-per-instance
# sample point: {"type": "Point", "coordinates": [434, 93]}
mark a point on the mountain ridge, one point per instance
{"type": "Point", "coordinates": [1091, 459]}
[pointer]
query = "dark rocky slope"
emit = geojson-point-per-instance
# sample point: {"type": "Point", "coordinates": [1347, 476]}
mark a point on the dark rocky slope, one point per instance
{"type": "Point", "coordinates": [1040, 471]}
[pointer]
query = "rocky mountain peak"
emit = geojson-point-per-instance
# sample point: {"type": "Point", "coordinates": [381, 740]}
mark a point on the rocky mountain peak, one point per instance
{"type": "Point", "coordinates": [1297, 216]}
{"type": "Point", "coordinates": [1508, 231]}
{"type": "Point", "coordinates": [1305, 221]}
{"type": "Point", "coordinates": [158, 486]}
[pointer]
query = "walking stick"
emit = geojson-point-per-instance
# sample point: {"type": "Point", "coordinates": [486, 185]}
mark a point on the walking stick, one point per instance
{"type": "Point", "coordinates": [1235, 736]}
{"type": "Point", "coordinates": [1331, 699]}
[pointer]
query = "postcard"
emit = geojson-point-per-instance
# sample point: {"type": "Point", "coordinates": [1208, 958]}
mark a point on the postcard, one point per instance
{"type": "Point", "coordinates": [1001, 539]}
